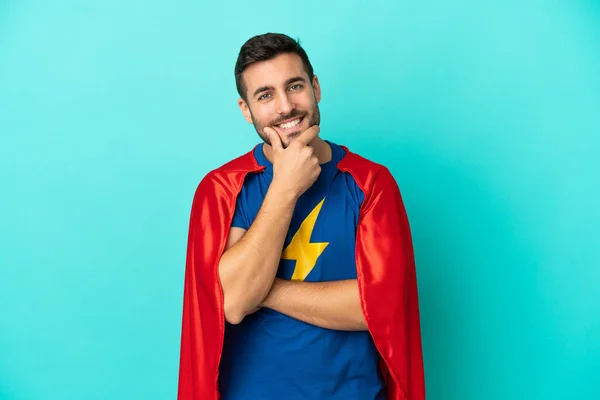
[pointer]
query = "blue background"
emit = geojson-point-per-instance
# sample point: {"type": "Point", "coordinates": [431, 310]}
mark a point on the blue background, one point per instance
{"type": "Point", "coordinates": [487, 114]}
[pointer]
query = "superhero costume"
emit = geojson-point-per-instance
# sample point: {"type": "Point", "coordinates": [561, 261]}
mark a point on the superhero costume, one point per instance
{"type": "Point", "coordinates": [384, 270]}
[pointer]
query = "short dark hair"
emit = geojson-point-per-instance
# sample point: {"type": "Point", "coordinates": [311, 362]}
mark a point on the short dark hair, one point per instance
{"type": "Point", "coordinates": [266, 47]}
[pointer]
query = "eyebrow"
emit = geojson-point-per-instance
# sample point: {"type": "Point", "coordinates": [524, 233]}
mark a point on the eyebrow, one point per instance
{"type": "Point", "coordinates": [288, 82]}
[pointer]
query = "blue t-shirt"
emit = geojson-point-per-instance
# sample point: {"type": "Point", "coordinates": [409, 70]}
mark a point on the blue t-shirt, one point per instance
{"type": "Point", "coordinates": [270, 356]}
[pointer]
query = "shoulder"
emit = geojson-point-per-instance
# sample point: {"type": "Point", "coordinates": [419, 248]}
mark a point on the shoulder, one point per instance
{"type": "Point", "coordinates": [369, 175]}
{"type": "Point", "coordinates": [229, 176]}
{"type": "Point", "coordinates": [381, 191]}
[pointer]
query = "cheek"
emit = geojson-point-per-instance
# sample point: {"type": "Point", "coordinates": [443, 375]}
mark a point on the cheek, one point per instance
{"type": "Point", "coordinates": [264, 120]}
{"type": "Point", "coordinates": [262, 114]}
{"type": "Point", "coordinates": [256, 116]}
{"type": "Point", "coordinates": [307, 102]}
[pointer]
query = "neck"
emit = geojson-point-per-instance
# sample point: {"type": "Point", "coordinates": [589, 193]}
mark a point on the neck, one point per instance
{"type": "Point", "coordinates": [321, 148]}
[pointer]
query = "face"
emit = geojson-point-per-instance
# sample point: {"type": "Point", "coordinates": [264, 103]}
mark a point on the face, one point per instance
{"type": "Point", "coordinates": [281, 96]}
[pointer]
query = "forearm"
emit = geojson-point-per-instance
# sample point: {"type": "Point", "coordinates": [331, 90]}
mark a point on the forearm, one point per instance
{"type": "Point", "coordinates": [332, 305]}
{"type": "Point", "coordinates": [248, 268]}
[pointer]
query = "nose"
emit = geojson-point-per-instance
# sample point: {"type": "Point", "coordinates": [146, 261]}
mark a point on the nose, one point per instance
{"type": "Point", "coordinates": [284, 105]}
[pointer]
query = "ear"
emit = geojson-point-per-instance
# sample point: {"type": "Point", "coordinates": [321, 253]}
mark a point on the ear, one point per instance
{"type": "Point", "coordinates": [316, 88]}
{"type": "Point", "coordinates": [245, 109]}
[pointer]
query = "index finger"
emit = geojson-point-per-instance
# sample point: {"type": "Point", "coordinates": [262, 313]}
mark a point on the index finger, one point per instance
{"type": "Point", "coordinates": [308, 135]}
{"type": "Point", "coordinates": [274, 139]}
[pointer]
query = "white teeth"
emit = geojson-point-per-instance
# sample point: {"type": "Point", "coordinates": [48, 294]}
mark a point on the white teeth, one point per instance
{"type": "Point", "coordinates": [290, 124]}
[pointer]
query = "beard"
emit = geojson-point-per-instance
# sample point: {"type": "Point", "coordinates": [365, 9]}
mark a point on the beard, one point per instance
{"type": "Point", "coordinates": [313, 116]}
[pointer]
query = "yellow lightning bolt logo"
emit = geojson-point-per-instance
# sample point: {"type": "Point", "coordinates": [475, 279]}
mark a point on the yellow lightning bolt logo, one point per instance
{"type": "Point", "coordinates": [301, 249]}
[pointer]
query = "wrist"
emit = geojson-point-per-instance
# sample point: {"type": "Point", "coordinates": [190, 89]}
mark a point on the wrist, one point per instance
{"type": "Point", "coordinates": [283, 192]}
{"type": "Point", "coordinates": [270, 300]}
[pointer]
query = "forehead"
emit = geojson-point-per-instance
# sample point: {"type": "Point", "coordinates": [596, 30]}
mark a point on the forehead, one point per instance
{"type": "Point", "coordinates": [273, 72]}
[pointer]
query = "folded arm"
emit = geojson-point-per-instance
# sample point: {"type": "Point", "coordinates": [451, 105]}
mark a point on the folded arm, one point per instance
{"type": "Point", "coordinates": [248, 266]}
{"type": "Point", "coordinates": [332, 305]}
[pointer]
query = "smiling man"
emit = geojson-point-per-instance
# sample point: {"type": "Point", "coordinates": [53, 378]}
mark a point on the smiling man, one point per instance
{"type": "Point", "coordinates": [300, 278]}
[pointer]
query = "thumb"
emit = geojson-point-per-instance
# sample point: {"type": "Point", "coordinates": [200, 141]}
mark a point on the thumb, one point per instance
{"type": "Point", "coordinates": [274, 139]}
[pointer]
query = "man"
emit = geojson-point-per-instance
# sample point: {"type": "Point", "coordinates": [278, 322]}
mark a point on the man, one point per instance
{"type": "Point", "coordinates": [300, 279]}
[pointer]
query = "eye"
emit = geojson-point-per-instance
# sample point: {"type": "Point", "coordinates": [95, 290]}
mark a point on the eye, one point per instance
{"type": "Point", "coordinates": [296, 87]}
{"type": "Point", "coordinates": [264, 96]}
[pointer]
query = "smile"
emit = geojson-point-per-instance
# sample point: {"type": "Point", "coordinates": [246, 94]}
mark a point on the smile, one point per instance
{"type": "Point", "coordinates": [290, 124]}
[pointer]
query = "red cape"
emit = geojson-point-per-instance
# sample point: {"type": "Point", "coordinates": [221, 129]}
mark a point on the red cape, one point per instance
{"type": "Point", "coordinates": [384, 265]}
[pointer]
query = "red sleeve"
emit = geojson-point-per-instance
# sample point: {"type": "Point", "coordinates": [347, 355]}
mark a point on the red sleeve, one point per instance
{"type": "Point", "coordinates": [388, 285]}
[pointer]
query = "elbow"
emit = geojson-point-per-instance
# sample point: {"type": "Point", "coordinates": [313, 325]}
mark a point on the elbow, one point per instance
{"type": "Point", "coordinates": [231, 305]}
{"type": "Point", "coordinates": [233, 313]}
{"type": "Point", "coordinates": [361, 322]}
{"type": "Point", "coordinates": [362, 325]}
{"type": "Point", "coordinates": [233, 318]}
{"type": "Point", "coordinates": [355, 323]}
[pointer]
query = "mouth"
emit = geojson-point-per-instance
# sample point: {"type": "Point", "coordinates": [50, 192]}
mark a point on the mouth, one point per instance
{"type": "Point", "coordinates": [290, 125]}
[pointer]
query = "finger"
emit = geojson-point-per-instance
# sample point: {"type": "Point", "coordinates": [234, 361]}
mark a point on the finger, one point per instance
{"type": "Point", "coordinates": [308, 135]}
{"type": "Point", "coordinates": [274, 138]}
